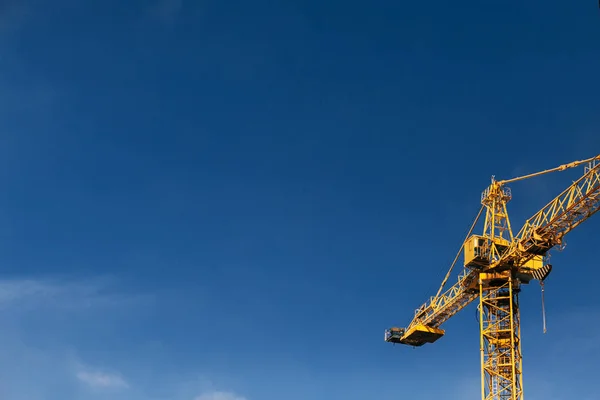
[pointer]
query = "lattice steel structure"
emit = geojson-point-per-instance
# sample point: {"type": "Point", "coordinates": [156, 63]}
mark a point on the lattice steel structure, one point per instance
{"type": "Point", "coordinates": [496, 264]}
{"type": "Point", "coordinates": [500, 333]}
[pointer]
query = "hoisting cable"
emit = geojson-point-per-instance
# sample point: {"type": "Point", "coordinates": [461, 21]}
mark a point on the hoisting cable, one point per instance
{"type": "Point", "coordinates": [543, 307]}
{"type": "Point", "coordinates": [459, 251]}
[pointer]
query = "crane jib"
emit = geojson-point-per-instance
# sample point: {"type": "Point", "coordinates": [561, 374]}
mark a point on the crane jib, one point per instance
{"type": "Point", "coordinates": [539, 234]}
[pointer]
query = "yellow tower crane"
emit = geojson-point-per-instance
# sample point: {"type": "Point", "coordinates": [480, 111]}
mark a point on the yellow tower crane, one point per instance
{"type": "Point", "coordinates": [496, 264]}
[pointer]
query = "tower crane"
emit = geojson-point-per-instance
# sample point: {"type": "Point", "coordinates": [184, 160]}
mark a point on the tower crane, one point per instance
{"type": "Point", "coordinates": [496, 265]}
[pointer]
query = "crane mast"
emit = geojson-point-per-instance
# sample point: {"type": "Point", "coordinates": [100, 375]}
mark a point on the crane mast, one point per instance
{"type": "Point", "coordinates": [496, 265]}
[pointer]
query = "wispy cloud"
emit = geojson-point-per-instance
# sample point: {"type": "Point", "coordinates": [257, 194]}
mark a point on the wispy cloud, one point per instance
{"type": "Point", "coordinates": [22, 289]}
{"type": "Point", "coordinates": [39, 316]}
{"type": "Point", "coordinates": [220, 396]}
{"type": "Point", "coordinates": [166, 11]}
{"type": "Point", "coordinates": [40, 340]}
{"type": "Point", "coordinates": [12, 13]}
{"type": "Point", "coordinates": [99, 379]}
{"type": "Point", "coordinates": [62, 294]}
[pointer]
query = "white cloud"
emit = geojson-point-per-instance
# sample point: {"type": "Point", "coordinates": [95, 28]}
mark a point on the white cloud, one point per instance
{"type": "Point", "coordinates": [166, 10]}
{"type": "Point", "coordinates": [12, 13]}
{"type": "Point", "coordinates": [38, 317]}
{"type": "Point", "coordinates": [102, 379]}
{"type": "Point", "coordinates": [62, 294]}
{"type": "Point", "coordinates": [220, 396]}
{"type": "Point", "coordinates": [17, 290]}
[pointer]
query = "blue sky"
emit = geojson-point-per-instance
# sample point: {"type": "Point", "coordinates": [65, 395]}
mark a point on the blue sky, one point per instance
{"type": "Point", "coordinates": [232, 200]}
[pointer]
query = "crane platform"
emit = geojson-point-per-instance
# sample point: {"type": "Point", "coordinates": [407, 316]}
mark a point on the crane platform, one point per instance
{"type": "Point", "coordinates": [416, 335]}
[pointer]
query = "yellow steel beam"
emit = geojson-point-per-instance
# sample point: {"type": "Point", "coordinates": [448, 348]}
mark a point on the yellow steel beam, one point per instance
{"type": "Point", "coordinates": [539, 234]}
{"type": "Point", "coordinates": [557, 169]}
{"type": "Point", "coordinates": [499, 322]}
{"type": "Point", "coordinates": [547, 228]}
{"type": "Point", "coordinates": [494, 272]}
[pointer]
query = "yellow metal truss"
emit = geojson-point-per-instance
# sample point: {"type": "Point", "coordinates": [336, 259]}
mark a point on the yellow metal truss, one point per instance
{"type": "Point", "coordinates": [496, 264]}
{"type": "Point", "coordinates": [564, 213]}
{"type": "Point", "coordinates": [501, 360]}
{"type": "Point", "coordinates": [497, 229]}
